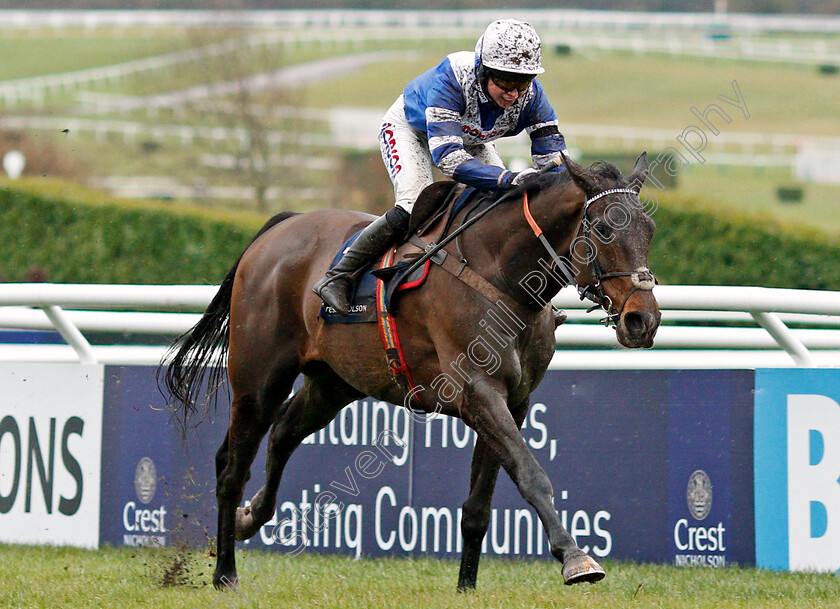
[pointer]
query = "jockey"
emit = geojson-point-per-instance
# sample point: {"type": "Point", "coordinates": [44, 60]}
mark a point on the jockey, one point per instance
{"type": "Point", "coordinates": [450, 116]}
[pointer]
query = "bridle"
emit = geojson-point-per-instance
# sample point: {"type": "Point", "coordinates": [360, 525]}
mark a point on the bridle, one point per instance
{"type": "Point", "coordinates": [642, 278]}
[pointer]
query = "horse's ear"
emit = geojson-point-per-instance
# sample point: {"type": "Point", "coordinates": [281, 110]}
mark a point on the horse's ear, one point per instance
{"type": "Point", "coordinates": [640, 171]}
{"type": "Point", "coordinates": [581, 176]}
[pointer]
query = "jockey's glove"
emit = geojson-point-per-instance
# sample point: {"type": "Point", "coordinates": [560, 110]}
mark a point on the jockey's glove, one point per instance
{"type": "Point", "coordinates": [523, 175]}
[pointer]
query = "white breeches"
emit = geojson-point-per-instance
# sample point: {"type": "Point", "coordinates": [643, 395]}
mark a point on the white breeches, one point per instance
{"type": "Point", "coordinates": [405, 152]}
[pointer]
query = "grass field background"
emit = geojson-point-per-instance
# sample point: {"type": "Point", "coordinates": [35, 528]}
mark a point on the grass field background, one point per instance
{"type": "Point", "coordinates": [637, 90]}
{"type": "Point", "coordinates": [586, 87]}
{"type": "Point", "coordinates": [619, 89]}
{"type": "Point", "coordinates": [41, 52]}
{"type": "Point", "coordinates": [41, 577]}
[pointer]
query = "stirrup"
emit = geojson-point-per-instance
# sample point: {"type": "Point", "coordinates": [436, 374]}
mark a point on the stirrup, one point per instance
{"type": "Point", "coordinates": [324, 281]}
{"type": "Point", "coordinates": [334, 291]}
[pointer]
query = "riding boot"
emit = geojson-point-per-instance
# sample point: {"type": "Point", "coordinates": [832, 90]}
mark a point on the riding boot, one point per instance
{"type": "Point", "coordinates": [335, 287]}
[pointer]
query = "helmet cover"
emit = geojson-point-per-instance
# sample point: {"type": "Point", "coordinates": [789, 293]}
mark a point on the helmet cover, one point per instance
{"type": "Point", "coordinates": [512, 46]}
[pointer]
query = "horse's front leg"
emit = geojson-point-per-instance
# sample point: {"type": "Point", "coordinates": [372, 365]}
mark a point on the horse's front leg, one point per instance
{"type": "Point", "coordinates": [485, 411]}
{"type": "Point", "coordinates": [476, 510]}
{"type": "Point", "coordinates": [234, 462]}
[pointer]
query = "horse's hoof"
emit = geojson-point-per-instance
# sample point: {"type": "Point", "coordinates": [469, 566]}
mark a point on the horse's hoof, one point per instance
{"type": "Point", "coordinates": [224, 580]}
{"type": "Point", "coordinates": [560, 318]}
{"type": "Point", "coordinates": [245, 525]}
{"type": "Point", "coordinates": [582, 568]}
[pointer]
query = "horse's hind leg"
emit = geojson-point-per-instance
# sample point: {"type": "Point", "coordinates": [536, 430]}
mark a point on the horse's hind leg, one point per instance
{"type": "Point", "coordinates": [323, 394]}
{"type": "Point", "coordinates": [222, 457]}
{"type": "Point", "coordinates": [256, 400]}
{"type": "Point", "coordinates": [249, 422]}
{"type": "Point", "coordinates": [476, 510]}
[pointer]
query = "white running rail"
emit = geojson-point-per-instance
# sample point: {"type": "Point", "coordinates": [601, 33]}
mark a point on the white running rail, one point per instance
{"type": "Point", "coordinates": [703, 326]}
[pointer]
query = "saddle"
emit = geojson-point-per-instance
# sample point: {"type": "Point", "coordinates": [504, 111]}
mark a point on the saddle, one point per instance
{"type": "Point", "coordinates": [431, 218]}
{"type": "Point", "coordinates": [437, 215]}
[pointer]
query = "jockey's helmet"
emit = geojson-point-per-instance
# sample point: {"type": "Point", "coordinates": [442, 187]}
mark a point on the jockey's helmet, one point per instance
{"type": "Point", "coordinates": [510, 46]}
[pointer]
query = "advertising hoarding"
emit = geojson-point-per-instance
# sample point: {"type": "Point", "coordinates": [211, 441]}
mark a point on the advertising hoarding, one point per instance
{"type": "Point", "coordinates": [645, 465]}
{"type": "Point", "coordinates": [50, 454]}
{"type": "Point", "coordinates": [151, 492]}
{"type": "Point", "coordinates": [797, 469]}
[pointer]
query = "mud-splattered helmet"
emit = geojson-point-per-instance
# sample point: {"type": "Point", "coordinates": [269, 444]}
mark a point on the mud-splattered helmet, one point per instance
{"type": "Point", "coordinates": [510, 46]}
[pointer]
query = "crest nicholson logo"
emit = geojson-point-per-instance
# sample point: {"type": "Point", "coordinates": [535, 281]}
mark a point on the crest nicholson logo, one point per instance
{"type": "Point", "coordinates": [145, 480]}
{"type": "Point", "coordinates": [699, 494]}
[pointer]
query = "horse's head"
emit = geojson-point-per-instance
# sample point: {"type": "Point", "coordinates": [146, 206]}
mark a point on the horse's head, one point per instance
{"type": "Point", "coordinates": [611, 249]}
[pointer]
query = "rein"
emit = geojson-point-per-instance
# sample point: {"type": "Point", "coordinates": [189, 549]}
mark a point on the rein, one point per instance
{"type": "Point", "coordinates": [642, 278]}
{"type": "Point", "coordinates": [434, 248]}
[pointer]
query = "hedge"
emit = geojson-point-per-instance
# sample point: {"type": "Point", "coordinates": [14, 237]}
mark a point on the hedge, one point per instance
{"type": "Point", "coordinates": [96, 241]}
{"type": "Point", "coordinates": [76, 239]}
{"type": "Point", "coordinates": [696, 247]}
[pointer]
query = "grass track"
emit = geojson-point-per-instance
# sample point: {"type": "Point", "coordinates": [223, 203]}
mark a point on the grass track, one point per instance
{"type": "Point", "coordinates": [752, 191]}
{"type": "Point", "coordinates": [587, 86]}
{"type": "Point", "coordinates": [47, 52]}
{"type": "Point", "coordinates": [629, 90]}
{"type": "Point", "coordinates": [35, 577]}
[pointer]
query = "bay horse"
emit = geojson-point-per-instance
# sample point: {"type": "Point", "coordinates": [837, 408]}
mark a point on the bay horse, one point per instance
{"type": "Point", "coordinates": [265, 321]}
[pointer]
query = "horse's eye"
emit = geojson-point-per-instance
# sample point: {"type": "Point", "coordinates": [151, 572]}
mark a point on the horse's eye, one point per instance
{"type": "Point", "coordinates": [602, 229]}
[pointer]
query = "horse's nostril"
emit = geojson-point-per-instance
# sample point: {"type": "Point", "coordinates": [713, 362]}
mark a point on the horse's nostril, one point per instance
{"type": "Point", "coordinates": [636, 322]}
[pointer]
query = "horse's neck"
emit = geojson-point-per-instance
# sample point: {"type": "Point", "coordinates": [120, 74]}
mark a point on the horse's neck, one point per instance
{"type": "Point", "coordinates": [509, 252]}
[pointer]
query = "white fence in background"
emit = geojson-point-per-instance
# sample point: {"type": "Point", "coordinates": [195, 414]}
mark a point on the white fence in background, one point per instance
{"type": "Point", "coordinates": [449, 19]}
{"type": "Point", "coordinates": [356, 128]}
{"type": "Point", "coordinates": [694, 34]}
{"type": "Point", "coordinates": [697, 45]}
{"type": "Point", "coordinates": [703, 326]}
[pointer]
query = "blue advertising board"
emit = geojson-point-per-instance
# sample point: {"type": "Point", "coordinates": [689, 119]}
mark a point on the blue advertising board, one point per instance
{"type": "Point", "coordinates": [645, 465]}
{"type": "Point", "coordinates": [634, 445]}
{"type": "Point", "coordinates": [710, 468]}
{"type": "Point", "coordinates": [137, 461]}
{"type": "Point", "coordinates": [157, 479]}
{"type": "Point", "coordinates": [797, 469]}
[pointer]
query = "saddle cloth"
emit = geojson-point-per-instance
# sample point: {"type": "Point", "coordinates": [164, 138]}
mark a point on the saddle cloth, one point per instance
{"type": "Point", "coordinates": [434, 209]}
{"type": "Point", "coordinates": [363, 301]}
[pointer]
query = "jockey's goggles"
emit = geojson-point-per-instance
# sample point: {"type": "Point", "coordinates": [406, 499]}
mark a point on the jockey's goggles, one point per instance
{"type": "Point", "coordinates": [509, 82]}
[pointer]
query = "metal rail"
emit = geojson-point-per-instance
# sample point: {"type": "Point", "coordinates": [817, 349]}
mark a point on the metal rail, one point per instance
{"type": "Point", "coordinates": [703, 326]}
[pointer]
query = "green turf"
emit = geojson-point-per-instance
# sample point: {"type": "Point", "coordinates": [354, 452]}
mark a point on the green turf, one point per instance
{"type": "Point", "coordinates": [656, 91]}
{"type": "Point", "coordinates": [588, 86]}
{"type": "Point", "coordinates": [754, 191]}
{"type": "Point", "coordinates": [25, 54]}
{"type": "Point", "coordinates": [35, 577]}
{"type": "Point", "coordinates": [641, 91]}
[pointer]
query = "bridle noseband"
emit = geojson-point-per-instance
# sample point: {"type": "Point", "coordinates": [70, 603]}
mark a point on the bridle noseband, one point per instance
{"type": "Point", "coordinates": [642, 278]}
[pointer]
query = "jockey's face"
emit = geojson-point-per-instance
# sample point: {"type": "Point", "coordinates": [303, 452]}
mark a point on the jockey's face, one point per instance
{"type": "Point", "coordinates": [505, 97]}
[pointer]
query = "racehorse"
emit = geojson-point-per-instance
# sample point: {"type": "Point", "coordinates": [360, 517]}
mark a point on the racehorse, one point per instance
{"type": "Point", "coordinates": [265, 321]}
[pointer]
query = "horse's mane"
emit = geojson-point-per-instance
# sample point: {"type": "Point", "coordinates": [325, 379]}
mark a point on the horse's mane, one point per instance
{"type": "Point", "coordinates": [560, 177]}
{"type": "Point", "coordinates": [606, 170]}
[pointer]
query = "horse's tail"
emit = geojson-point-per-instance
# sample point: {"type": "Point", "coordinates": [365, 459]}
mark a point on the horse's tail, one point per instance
{"type": "Point", "coordinates": [202, 350]}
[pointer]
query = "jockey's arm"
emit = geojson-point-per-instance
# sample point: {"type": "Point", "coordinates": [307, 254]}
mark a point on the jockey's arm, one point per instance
{"type": "Point", "coordinates": [541, 126]}
{"type": "Point", "coordinates": [449, 155]}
